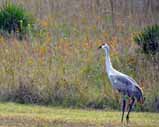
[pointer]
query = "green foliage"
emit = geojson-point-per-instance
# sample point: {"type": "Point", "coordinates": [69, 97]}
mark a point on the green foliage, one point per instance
{"type": "Point", "coordinates": [148, 40]}
{"type": "Point", "coordinates": [15, 19]}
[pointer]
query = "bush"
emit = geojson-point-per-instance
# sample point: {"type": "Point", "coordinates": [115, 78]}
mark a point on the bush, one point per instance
{"type": "Point", "coordinates": [148, 39]}
{"type": "Point", "coordinates": [15, 19]}
{"type": "Point", "coordinates": [26, 93]}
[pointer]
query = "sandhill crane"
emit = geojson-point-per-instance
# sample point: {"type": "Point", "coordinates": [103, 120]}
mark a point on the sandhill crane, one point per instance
{"type": "Point", "coordinates": [127, 86]}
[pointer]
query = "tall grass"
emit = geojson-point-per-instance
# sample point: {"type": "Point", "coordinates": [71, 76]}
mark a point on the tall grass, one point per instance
{"type": "Point", "coordinates": [61, 64]}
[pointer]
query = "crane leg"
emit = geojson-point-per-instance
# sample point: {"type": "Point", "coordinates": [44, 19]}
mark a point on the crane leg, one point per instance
{"type": "Point", "coordinates": [123, 108]}
{"type": "Point", "coordinates": [130, 108]}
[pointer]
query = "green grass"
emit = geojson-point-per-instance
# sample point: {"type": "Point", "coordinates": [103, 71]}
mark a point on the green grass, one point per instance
{"type": "Point", "coordinates": [14, 115]}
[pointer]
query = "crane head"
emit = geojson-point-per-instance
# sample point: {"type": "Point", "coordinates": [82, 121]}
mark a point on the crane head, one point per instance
{"type": "Point", "coordinates": [104, 46]}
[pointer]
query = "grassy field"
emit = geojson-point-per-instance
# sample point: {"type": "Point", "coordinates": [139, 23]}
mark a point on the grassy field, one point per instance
{"type": "Point", "coordinates": [14, 115]}
{"type": "Point", "coordinates": [58, 64]}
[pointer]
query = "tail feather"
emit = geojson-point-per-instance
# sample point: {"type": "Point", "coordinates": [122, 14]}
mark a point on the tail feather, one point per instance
{"type": "Point", "coordinates": [140, 97]}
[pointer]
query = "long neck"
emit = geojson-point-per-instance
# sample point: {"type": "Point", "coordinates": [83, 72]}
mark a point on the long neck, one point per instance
{"type": "Point", "coordinates": [108, 61]}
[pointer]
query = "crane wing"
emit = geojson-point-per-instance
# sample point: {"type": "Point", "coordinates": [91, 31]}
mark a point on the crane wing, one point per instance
{"type": "Point", "coordinates": [123, 83]}
{"type": "Point", "coordinates": [135, 83]}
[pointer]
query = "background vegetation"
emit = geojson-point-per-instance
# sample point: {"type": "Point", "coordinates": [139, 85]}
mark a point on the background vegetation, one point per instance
{"type": "Point", "coordinates": [59, 64]}
{"type": "Point", "coordinates": [14, 19]}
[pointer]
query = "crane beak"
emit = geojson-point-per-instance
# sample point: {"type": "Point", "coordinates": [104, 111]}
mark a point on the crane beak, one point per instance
{"type": "Point", "coordinates": [99, 47]}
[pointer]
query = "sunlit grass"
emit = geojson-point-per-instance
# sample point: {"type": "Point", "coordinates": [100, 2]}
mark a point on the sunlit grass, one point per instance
{"type": "Point", "coordinates": [30, 115]}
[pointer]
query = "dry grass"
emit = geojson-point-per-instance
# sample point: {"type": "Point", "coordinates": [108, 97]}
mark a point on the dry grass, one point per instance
{"type": "Point", "coordinates": [61, 64]}
{"type": "Point", "coordinates": [37, 116]}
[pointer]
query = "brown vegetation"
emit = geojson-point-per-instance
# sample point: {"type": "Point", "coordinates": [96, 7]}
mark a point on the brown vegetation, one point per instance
{"type": "Point", "coordinates": [61, 65]}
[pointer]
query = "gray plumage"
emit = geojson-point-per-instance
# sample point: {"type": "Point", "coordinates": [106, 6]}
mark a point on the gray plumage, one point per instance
{"type": "Point", "coordinates": [126, 86]}
{"type": "Point", "coordinates": [123, 83]}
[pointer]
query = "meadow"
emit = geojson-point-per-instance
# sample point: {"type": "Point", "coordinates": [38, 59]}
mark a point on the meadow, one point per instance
{"type": "Point", "coordinates": [18, 115]}
{"type": "Point", "coordinates": [60, 65]}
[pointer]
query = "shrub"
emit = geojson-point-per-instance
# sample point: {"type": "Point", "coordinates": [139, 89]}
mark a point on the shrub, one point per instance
{"type": "Point", "coordinates": [26, 93]}
{"type": "Point", "coordinates": [15, 19]}
{"type": "Point", "coordinates": [148, 39]}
